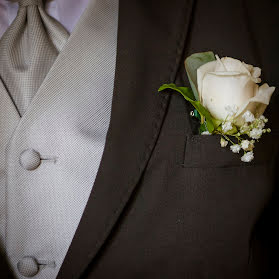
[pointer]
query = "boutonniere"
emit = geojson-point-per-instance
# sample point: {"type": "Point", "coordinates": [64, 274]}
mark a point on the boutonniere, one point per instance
{"type": "Point", "coordinates": [227, 100]}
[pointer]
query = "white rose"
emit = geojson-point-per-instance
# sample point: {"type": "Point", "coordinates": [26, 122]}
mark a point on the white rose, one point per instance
{"type": "Point", "coordinates": [228, 82]}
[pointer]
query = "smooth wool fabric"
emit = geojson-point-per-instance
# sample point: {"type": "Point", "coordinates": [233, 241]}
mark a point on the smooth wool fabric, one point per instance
{"type": "Point", "coordinates": [65, 125]}
{"type": "Point", "coordinates": [28, 49]}
{"type": "Point", "coordinates": [167, 202]}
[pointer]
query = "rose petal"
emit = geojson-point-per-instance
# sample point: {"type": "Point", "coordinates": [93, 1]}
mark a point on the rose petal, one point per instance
{"type": "Point", "coordinates": [201, 71]}
{"type": "Point", "coordinates": [257, 104]}
{"type": "Point", "coordinates": [254, 71]}
{"type": "Point", "coordinates": [233, 65]}
{"type": "Point", "coordinates": [265, 92]}
{"type": "Point", "coordinates": [222, 89]}
{"type": "Point", "coordinates": [220, 66]}
{"type": "Point", "coordinates": [248, 67]}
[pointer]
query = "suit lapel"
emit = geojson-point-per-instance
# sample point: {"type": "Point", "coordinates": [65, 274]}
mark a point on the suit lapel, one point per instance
{"type": "Point", "coordinates": [151, 35]}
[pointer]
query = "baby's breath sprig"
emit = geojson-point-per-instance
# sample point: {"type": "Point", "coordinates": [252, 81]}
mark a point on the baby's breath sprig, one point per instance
{"type": "Point", "coordinates": [242, 138]}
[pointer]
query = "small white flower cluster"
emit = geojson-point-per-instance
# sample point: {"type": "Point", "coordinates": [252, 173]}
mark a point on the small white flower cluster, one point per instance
{"type": "Point", "coordinates": [245, 145]}
{"type": "Point", "coordinates": [205, 133]}
{"type": "Point", "coordinates": [227, 126]}
{"type": "Point", "coordinates": [248, 116]}
{"type": "Point", "coordinates": [247, 157]}
{"type": "Point", "coordinates": [252, 128]}
{"type": "Point", "coordinates": [235, 148]}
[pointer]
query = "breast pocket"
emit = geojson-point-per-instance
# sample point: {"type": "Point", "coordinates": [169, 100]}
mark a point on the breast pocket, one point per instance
{"type": "Point", "coordinates": [205, 151]}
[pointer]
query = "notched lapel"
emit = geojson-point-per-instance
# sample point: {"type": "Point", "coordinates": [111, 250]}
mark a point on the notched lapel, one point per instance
{"type": "Point", "coordinates": [151, 35]}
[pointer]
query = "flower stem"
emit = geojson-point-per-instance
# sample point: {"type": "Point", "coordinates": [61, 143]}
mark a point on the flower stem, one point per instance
{"type": "Point", "coordinates": [225, 137]}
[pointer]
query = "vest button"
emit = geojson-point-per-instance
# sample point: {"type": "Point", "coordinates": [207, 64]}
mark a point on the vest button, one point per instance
{"type": "Point", "coordinates": [28, 266]}
{"type": "Point", "coordinates": [30, 159]}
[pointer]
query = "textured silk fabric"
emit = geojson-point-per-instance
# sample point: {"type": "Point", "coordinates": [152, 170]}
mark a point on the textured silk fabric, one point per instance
{"type": "Point", "coordinates": [66, 123]}
{"type": "Point", "coordinates": [67, 12]}
{"type": "Point", "coordinates": [28, 49]}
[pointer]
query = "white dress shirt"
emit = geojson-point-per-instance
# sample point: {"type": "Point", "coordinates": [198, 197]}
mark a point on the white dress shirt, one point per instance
{"type": "Point", "coordinates": [67, 12]}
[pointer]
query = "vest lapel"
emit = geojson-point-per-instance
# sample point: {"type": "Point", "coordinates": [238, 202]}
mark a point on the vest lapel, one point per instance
{"type": "Point", "coordinates": [151, 35]}
{"type": "Point", "coordinates": [9, 119]}
{"type": "Point", "coordinates": [8, 108]}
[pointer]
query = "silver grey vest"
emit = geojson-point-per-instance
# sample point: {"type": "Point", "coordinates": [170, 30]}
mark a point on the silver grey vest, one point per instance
{"type": "Point", "coordinates": [50, 156]}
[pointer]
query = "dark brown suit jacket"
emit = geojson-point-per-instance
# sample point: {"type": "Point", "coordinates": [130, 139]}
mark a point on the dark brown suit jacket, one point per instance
{"type": "Point", "coordinates": [168, 203]}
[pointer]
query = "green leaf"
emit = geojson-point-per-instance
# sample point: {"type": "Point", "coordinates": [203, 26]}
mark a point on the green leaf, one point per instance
{"type": "Point", "coordinates": [203, 128]}
{"type": "Point", "coordinates": [196, 114]}
{"type": "Point", "coordinates": [233, 131]}
{"type": "Point", "coordinates": [186, 92]}
{"type": "Point", "coordinates": [216, 122]}
{"type": "Point", "coordinates": [192, 63]}
{"type": "Point", "coordinates": [203, 111]}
